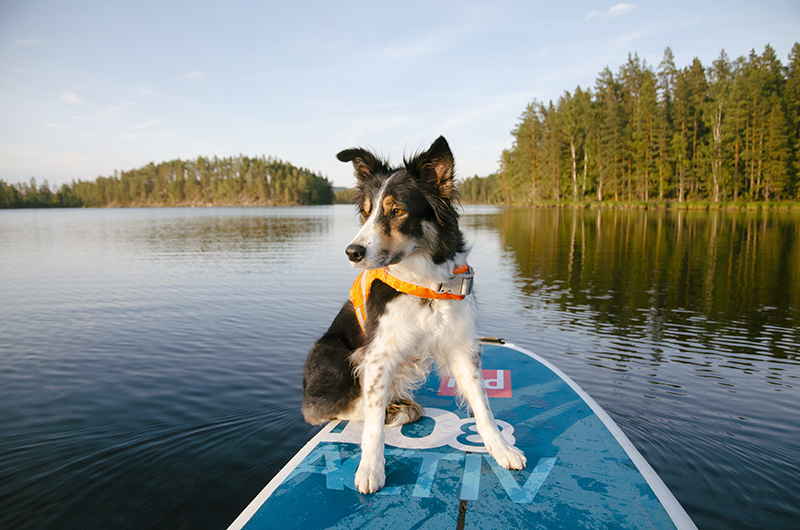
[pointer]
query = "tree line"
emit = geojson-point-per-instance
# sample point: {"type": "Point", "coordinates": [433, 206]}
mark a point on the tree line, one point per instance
{"type": "Point", "coordinates": [727, 132]}
{"type": "Point", "coordinates": [239, 180]}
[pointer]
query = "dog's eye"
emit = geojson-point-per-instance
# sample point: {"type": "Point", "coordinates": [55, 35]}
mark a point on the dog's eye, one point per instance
{"type": "Point", "coordinates": [397, 212]}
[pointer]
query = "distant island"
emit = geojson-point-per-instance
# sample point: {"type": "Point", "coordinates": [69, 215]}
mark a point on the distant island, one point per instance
{"type": "Point", "coordinates": [232, 181]}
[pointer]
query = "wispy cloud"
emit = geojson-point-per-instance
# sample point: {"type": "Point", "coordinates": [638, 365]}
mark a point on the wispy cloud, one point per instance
{"type": "Point", "coordinates": [658, 28]}
{"type": "Point", "coordinates": [622, 40]}
{"type": "Point", "coordinates": [194, 75]}
{"type": "Point", "coordinates": [148, 123]}
{"type": "Point", "coordinates": [164, 135]}
{"type": "Point", "coordinates": [487, 108]}
{"type": "Point", "coordinates": [614, 12]}
{"type": "Point", "coordinates": [109, 115]}
{"type": "Point", "coordinates": [465, 117]}
{"type": "Point", "coordinates": [30, 42]}
{"type": "Point", "coordinates": [428, 46]}
{"type": "Point", "coordinates": [444, 38]}
{"type": "Point", "coordinates": [361, 128]}
{"type": "Point", "coordinates": [216, 145]}
{"type": "Point", "coordinates": [69, 97]}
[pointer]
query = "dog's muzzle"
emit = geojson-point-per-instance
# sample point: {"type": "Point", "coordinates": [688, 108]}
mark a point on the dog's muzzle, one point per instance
{"type": "Point", "coordinates": [355, 253]}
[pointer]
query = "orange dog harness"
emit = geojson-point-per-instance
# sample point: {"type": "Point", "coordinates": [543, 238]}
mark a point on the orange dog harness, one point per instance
{"type": "Point", "coordinates": [457, 288]}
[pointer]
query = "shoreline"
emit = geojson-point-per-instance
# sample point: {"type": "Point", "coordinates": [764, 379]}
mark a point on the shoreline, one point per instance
{"type": "Point", "coordinates": [769, 206]}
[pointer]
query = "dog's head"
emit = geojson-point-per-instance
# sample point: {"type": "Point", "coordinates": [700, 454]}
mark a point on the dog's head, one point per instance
{"type": "Point", "coordinates": [404, 210]}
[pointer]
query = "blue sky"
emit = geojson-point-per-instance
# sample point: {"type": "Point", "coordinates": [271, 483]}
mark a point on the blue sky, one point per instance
{"type": "Point", "coordinates": [87, 87]}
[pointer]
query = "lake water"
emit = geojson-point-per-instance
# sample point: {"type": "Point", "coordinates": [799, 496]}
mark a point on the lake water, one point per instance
{"type": "Point", "coordinates": [151, 359]}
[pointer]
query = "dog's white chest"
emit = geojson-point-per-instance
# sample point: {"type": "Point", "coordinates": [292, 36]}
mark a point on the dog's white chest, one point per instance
{"type": "Point", "coordinates": [427, 321]}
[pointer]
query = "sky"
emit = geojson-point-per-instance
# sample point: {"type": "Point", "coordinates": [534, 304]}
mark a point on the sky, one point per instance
{"type": "Point", "coordinates": [90, 87]}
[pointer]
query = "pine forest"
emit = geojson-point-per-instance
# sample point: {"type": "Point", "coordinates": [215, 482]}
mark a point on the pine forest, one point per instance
{"type": "Point", "coordinates": [727, 132]}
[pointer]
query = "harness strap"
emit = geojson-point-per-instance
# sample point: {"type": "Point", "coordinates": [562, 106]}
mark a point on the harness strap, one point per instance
{"type": "Point", "coordinates": [457, 288]}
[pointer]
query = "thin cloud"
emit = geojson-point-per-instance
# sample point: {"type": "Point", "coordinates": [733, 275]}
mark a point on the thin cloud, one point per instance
{"type": "Point", "coordinates": [492, 107]}
{"type": "Point", "coordinates": [30, 42]}
{"type": "Point", "coordinates": [54, 125]}
{"type": "Point", "coordinates": [361, 128]}
{"type": "Point", "coordinates": [217, 145]}
{"type": "Point", "coordinates": [148, 123]}
{"type": "Point", "coordinates": [623, 41]}
{"type": "Point", "coordinates": [165, 135]}
{"type": "Point", "coordinates": [109, 115]}
{"type": "Point", "coordinates": [437, 42]}
{"type": "Point", "coordinates": [614, 12]}
{"type": "Point", "coordinates": [466, 117]}
{"type": "Point", "coordinates": [619, 10]}
{"type": "Point", "coordinates": [71, 98]}
{"type": "Point", "coordinates": [419, 47]}
{"type": "Point", "coordinates": [194, 75]}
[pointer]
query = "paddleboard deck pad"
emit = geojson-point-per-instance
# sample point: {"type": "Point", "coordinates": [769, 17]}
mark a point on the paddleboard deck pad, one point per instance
{"type": "Point", "coordinates": [582, 471]}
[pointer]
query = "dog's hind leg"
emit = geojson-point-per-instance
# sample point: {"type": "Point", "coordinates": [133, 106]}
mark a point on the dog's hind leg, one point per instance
{"type": "Point", "coordinates": [403, 411]}
{"type": "Point", "coordinates": [329, 386]}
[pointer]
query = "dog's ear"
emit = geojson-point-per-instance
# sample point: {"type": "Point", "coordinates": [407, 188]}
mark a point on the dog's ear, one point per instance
{"type": "Point", "coordinates": [434, 169]}
{"type": "Point", "coordinates": [365, 163]}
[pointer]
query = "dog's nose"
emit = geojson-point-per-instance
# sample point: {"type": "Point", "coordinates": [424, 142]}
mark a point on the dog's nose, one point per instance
{"type": "Point", "coordinates": [355, 253]}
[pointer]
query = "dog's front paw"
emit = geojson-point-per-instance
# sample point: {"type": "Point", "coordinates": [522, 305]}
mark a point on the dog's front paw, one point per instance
{"type": "Point", "coordinates": [509, 457]}
{"type": "Point", "coordinates": [370, 476]}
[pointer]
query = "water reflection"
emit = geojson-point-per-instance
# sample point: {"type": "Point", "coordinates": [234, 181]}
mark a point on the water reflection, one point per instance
{"type": "Point", "coordinates": [656, 272]}
{"type": "Point", "coordinates": [151, 360]}
{"type": "Point", "coordinates": [684, 327]}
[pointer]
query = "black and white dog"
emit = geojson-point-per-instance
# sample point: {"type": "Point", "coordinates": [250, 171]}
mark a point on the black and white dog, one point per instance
{"type": "Point", "coordinates": [412, 307]}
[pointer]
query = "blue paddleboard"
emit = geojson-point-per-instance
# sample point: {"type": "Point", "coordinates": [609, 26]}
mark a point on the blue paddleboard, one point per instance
{"type": "Point", "coordinates": [582, 471]}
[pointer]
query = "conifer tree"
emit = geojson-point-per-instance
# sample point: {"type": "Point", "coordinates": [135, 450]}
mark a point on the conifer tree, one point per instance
{"type": "Point", "coordinates": [792, 99]}
{"type": "Point", "coordinates": [715, 114]}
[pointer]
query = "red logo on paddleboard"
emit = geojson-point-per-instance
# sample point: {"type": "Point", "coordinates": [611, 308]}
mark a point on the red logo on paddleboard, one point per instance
{"type": "Point", "coordinates": [496, 382]}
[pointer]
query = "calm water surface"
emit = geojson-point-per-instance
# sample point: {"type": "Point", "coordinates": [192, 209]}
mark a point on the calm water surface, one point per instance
{"type": "Point", "coordinates": [151, 360]}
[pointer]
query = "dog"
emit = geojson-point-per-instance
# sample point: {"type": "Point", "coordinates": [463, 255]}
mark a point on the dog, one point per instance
{"type": "Point", "coordinates": [410, 308]}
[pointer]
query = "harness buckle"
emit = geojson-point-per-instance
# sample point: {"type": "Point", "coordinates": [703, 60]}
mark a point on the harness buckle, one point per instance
{"type": "Point", "coordinates": [460, 284]}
